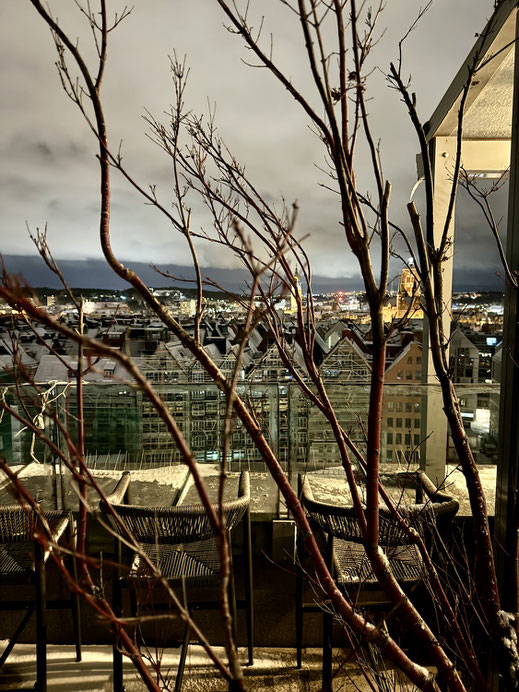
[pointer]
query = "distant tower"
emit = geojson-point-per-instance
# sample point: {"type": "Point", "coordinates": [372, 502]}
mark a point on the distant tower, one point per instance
{"type": "Point", "coordinates": [296, 290]}
{"type": "Point", "coordinates": [408, 293]}
{"type": "Point", "coordinates": [408, 282]}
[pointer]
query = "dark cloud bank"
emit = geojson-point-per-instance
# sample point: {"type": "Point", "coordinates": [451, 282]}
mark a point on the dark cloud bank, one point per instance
{"type": "Point", "coordinates": [96, 274]}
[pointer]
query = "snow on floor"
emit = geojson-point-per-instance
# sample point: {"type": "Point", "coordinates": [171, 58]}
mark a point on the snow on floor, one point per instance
{"type": "Point", "coordinates": [455, 485]}
{"type": "Point", "coordinates": [273, 668]}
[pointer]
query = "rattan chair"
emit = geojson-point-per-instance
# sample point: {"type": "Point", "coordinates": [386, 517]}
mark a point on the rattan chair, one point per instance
{"type": "Point", "coordinates": [181, 542]}
{"type": "Point", "coordinates": [23, 560]}
{"type": "Point", "coordinates": [346, 556]}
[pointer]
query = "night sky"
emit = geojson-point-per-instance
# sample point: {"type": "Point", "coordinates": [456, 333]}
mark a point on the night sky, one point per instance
{"type": "Point", "coordinates": [49, 173]}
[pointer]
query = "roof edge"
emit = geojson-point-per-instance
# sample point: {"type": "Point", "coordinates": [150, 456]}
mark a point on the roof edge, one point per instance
{"type": "Point", "coordinates": [483, 46]}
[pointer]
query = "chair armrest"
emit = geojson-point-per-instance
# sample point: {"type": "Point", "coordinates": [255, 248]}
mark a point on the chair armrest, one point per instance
{"type": "Point", "coordinates": [117, 495]}
{"type": "Point", "coordinates": [54, 524]}
{"type": "Point", "coordinates": [58, 522]}
{"type": "Point", "coordinates": [441, 502]}
{"type": "Point", "coordinates": [340, 521]}
{"type": "Point", "coordinates": [244, 487]}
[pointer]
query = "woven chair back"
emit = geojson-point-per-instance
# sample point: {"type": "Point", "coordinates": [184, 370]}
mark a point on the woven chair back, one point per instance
{"type": "Point", "coordinates": [342, 522]}
{"type": "Point", "coordinates": [175, 525]}
{"type": "Point", "coordinates": [16, 524]}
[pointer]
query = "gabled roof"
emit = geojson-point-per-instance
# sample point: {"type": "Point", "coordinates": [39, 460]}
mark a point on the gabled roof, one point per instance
{"type": "Point", "coordinates": [230, 358]}
{"type": "Point", "coordinates": [53, 369]}
{"type": "Point", "coordinates": [403, 353]}
{"type": "Point", "coordinates": [348, 346]}
{"type": "Point", "coordinates": [179, 352]}
{"type": "Point", "coordinates": [345, 343]}
{"type": "Point", "coordinates": [6, 360]}
{"type": "Point", "coordinates": [459, 338]}
{"type": "Point", "coordinates": [271, 358]}
{"type": "Point", "coordinates": [6, 355]}
{"type": "Point", "coordinates": [213, 352]}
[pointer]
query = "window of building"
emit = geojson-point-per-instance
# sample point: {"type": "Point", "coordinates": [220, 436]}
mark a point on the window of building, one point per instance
{"type": "Point", "coordinates": [389, 438]}
{"type": "Point", "coordinates": [418, 374]}
{"type": "Point", "coordinates": [398, 422]}
{"type": "Point", "coordinates": [417, 407]}
{"type": "Point", "coordinates": [408, 423]}
{"type": "Point", "coordinates": [400, 375]}
{"type": "Point", "coordinates": [389, 422]}
{"type": "Point", "coordinates": [408, 375]}
{"type": "Point", "coordinates": [389, 455]}
{"type": "Point", "coordinates": [416, 440]}
{"type": "Point", "coordinates": [198, 441]}
{"type": "Point", "coordinates": [198, 410]}
{"type": "Point", "coordinates": [398, 405]}
{"type": "Point", "coordinates": [409, 360]}
{"type": "Point", "coordinates": [418, 360]}
{"type": "Point", "coordinates": [398, 438]}
{"type": "Point", "coordinates": [390, 405]}
{"type": "Point", "coordinates": [407, 439]}
{"type": "Point", "coordinates": [408, 407]}
{"type": "Point", "coordinates": [416, 422]}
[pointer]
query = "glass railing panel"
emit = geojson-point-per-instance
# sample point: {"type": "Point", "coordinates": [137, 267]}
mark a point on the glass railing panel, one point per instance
{"type": "Point", "coordinates": [123, 430]}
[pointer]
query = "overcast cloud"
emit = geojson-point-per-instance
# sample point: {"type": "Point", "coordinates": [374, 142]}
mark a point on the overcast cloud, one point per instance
{"type": "Point", "coordinates": [49, 171]}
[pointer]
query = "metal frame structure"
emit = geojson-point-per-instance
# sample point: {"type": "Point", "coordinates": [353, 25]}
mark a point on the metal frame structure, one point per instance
{"type": "Point", "coordinates": [489, 147]}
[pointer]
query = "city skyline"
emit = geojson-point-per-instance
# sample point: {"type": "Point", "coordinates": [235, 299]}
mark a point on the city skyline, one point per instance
{"type": "Point", "coordinates": [50, 171]}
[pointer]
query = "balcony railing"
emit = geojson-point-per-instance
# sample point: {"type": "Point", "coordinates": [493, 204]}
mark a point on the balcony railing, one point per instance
{"type": "Point", "coordinates": [123, 430]}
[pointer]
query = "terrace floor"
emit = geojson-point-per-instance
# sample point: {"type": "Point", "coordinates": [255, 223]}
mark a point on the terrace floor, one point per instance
{"type": "Point", "coordinates": [273, 668]}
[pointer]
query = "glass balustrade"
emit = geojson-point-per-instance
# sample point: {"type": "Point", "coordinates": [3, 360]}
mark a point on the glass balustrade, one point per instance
{"type": "Point", "coordinates": [123, 430]}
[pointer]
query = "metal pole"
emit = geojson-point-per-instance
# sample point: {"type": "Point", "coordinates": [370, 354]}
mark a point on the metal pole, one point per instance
{"type": "Point", "coordinates": [505, 531]}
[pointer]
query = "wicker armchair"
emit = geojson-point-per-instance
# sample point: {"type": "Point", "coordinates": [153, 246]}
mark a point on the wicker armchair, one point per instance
{"type": "Point", "coordinates": [24, 561]}
{"type": "Point", "coordinates": [181, 542]}
{"type": "Point", "coordinates": [346, 555]}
